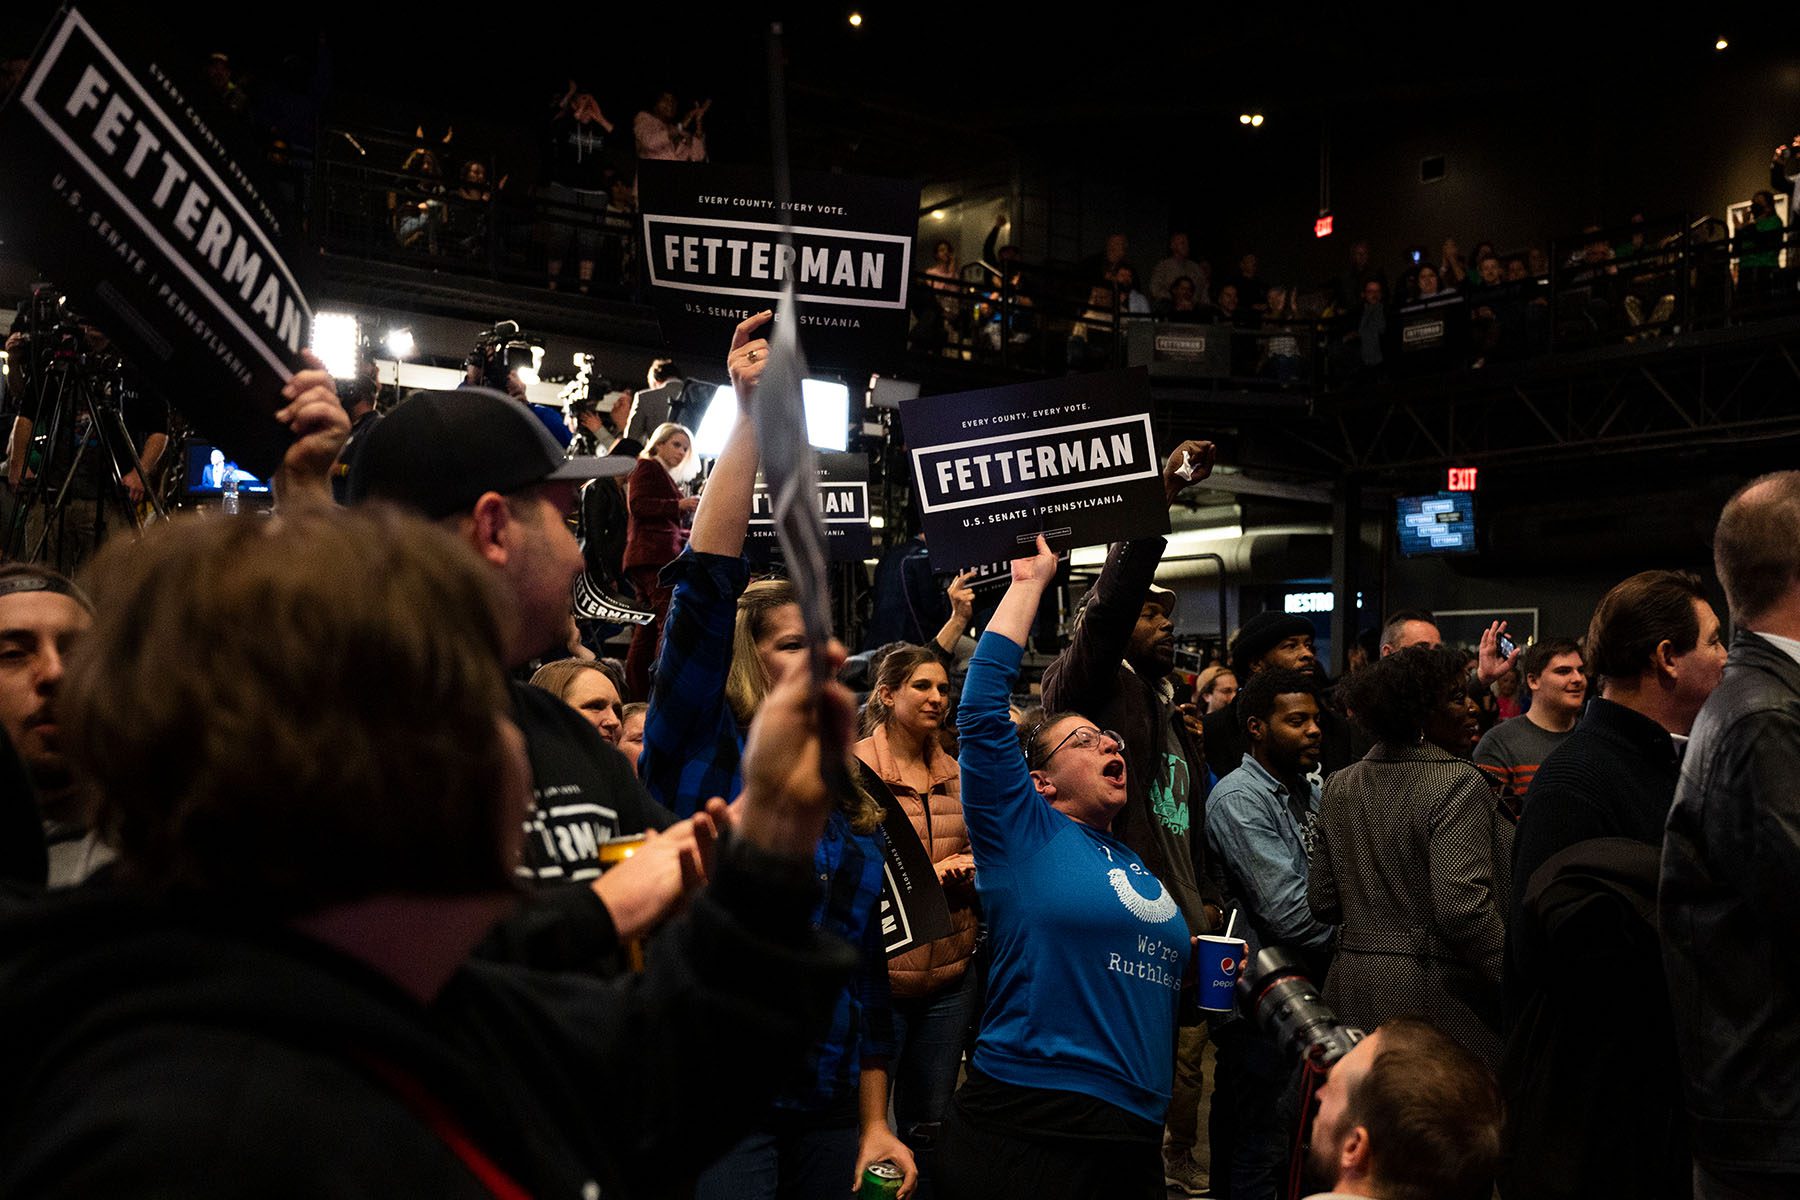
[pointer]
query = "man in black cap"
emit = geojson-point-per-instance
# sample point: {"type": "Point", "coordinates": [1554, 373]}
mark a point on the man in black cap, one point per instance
{"type": "Point", "coordinates": [1115, 672]}
{"type": "Point", "coordinates": [1272, 639]}
{"type": "Point", "coordinates": [484, 467]}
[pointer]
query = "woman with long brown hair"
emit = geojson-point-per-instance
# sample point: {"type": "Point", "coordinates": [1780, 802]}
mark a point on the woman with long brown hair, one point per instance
{"type": "Point", "coordinates": [932, 986]}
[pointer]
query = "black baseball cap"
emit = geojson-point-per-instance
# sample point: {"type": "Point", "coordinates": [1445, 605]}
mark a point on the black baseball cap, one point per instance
{"type": "Point", "coordinates": [438, 452]}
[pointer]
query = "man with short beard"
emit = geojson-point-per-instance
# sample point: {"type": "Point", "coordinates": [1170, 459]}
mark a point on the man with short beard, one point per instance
{"type": "Point", "coordinates": [1407, 1112]}
{"type": "Point", "coordinates": [41, 615]}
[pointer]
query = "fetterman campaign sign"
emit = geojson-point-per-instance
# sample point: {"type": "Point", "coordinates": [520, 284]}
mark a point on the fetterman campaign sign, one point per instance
{"type": "Point", "coordinates": [843, 507]}
{"type": "Point", "coordinates": [713, 251]}
{"type": "Point", "coordinates": [1070, 458]}
{"type": "Point", "coordinates": [118, 191]}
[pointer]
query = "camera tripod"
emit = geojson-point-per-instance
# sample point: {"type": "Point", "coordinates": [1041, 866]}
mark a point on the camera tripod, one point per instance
{"type": "Point", "coordinates": [73, 405]}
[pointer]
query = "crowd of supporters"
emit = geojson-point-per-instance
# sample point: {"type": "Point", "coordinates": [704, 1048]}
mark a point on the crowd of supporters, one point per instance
{"type": "Point", "coordinates": [305, 882]}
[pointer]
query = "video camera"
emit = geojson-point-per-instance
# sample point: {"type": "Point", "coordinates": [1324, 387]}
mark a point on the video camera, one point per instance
{"type": "Point", "coordinates": [1275, 993]}
{"type": "Point", "coordinates": [502, 350]}
{"type": "Point", "coordinates": [54, 336]}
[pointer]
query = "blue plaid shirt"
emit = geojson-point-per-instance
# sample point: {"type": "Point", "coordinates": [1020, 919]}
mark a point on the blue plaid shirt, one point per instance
{"type": "Point", "coordinates": [693, 750]}
{"type": "Point", "coordinates": [692, 744]}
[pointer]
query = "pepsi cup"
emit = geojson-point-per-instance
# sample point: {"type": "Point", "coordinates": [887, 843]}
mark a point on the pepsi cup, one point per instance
{"type": "Point", "coordinates": [1220, 959]}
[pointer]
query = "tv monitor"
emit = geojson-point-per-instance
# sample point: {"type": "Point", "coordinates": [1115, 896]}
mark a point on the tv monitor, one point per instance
{"type": "Point", "coordinates": [1441, 523]}
{"type": "Point", "coordinates": [208, 470]}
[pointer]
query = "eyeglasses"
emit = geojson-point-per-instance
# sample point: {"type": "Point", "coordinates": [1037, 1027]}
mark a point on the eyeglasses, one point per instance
{"type": "Point", "coordinates": [1085, 737]}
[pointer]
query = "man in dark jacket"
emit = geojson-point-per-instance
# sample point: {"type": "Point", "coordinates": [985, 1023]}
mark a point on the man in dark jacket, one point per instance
{"type": "Point", "coordinates": [1593, 1092]}
{"type": "Point", "coordinates": [1115, 672]}
{"type": "Point", "coordinates": [273, 994]}
{"type": "Point", "coordinates": [1729, 910]}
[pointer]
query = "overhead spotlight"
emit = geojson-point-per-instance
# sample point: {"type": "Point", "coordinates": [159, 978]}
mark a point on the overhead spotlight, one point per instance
{"type": "Point", "coordinates": [1720, 44]}
{"type": "Point", "coordinates": [938, 214]}
{"type": "Point", "coordinates": [1243, 118]}
{"type": "Point", "coordinates": [336, 337]}
{"type": "Point", "coordinates": [1256, 119]}
{"type": "Point", "coordinates": [400, 343]}
{"type": "Point", "coordinates": [856, 20]}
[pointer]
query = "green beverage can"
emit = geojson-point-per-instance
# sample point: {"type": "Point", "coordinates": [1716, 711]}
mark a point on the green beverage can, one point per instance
{"type": "Point", "coordinates": [881, 1181]}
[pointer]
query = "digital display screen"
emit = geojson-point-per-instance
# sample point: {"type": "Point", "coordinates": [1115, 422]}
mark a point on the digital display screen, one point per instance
{"type": "Point", "coordinates": [1442, 523]}
{"type": "Point", "coordinates": [208, 469]}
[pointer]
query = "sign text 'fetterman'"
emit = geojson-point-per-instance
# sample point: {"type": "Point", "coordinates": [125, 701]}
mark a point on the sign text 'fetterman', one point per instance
{"type": "Point", "coordinates": [1074, 459]}
{"type": "Point", "coordinates": [714, 254]}
{"type": "Point", "coordinates": [121, 193]}
{"type": "Point", "coordinates": [843, 491]}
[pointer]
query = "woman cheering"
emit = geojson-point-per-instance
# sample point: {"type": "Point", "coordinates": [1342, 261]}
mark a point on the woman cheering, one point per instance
{"type": "Point", "coordinates": [1071, 1074]}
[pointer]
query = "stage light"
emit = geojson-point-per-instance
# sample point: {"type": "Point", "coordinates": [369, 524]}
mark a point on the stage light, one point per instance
{"type": "Point", "coordinates": [938, 214]}
{"type": "Point", "coordinates": [400, 343]}
{"type": "Point", "coordinates": [827, 404]}
{"type": "Point", "coordinates": [1256, 119]}
{"type": "Point", "coordinates": [715, 423]}
{"type": "Point", "coordinates": [1720, 44]}
{"type": "Point", "coordinates": [1243, 118]}
{"type": "Point", "coordinates": [336, 337]}
{"type": "Point", "coordinates": [856, 20]}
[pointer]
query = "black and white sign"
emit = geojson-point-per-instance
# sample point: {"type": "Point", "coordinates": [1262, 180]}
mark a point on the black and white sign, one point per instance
{"type": "Point", "coordinates": [843, 493]}
{"type": "Point", "coordinates": [913, 907]}
{"type": "Point", "coordinates": [1179, 351]}
{"type": "Point", "coordinates": [118, 190]}
{"type": "Point", "coordinates": [1073, 459]}
{"type": "Point", "coordinates": [592, 604]}
{"type": "Point", "coordinates": [991, 577]}
{"type": "Point", "coordinates": [713, 252]}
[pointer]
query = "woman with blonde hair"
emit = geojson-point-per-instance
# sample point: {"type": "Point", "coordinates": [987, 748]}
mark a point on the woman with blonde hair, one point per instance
{"type": "Point", "coordinates": [653, 537]}
{"type": "Point", "coordinates": [588, 687]}
{"type": "Point", "coordinates": [728, 639]}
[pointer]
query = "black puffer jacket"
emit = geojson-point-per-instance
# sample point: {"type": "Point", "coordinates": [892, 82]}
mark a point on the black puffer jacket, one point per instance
{"type": "Point", "coordinates": [1730, 914]}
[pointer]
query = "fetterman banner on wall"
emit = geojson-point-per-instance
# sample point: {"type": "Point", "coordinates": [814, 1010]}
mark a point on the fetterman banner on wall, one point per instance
{"type": "Point", "coordinates": [713, 254]}
{"type": "Point", "coordinates": [117, 189]}
{"type": "Point", "coordinates": [1073, 459]}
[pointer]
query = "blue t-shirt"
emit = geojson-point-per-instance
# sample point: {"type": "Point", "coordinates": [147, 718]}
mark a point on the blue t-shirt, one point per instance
{"type": "Point", "coordinates": [1089, 948]}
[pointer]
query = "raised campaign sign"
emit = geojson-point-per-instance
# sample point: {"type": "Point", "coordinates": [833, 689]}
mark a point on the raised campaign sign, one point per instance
{"type": "Point", "coordinates": [118, 190]}
{"type": "Point", "coordinates": [1073, 459]}
{"type": "Point", "coordinates": [843, 493]}
{"type": "Point", "coordinates": [713, 253]}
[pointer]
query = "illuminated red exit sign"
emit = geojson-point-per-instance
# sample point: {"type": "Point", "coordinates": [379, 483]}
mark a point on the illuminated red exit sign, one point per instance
{"type": "Point", "coordinates": [1462, 479]}
{"type": "Point", "coordinates": [1322, 226]}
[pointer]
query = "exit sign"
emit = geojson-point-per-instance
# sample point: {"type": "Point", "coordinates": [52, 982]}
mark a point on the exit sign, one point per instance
{"type": "Point", "coordinates": [1462, 479]}
{"type": "Point", "coordinates": [1322, 226]}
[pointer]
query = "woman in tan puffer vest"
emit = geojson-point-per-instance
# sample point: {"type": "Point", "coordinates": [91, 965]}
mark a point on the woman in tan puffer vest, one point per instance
{"type": "Point", "coordinates": [933, 988]}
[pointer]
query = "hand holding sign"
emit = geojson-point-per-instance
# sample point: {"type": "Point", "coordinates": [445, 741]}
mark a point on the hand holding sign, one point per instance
{"type": "Point", "coordinates": [1039, 569]}
{"type": "Point", "coordinates": [1191, 462]}
{"type": "Point", "coordinates": [748, 356]}
{"type": "Point", "coordinates": [961, 597]}
{"type": "Point", "coordinates": [321, 426]}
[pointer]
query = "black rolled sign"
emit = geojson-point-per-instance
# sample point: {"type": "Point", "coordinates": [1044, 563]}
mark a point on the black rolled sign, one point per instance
{"type": "Point", "coordinates": [714, 255]}
{"type": "Point", "coordinates": [118, 189]}
{"type": "Point", "coordinates": [1073, 459]}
